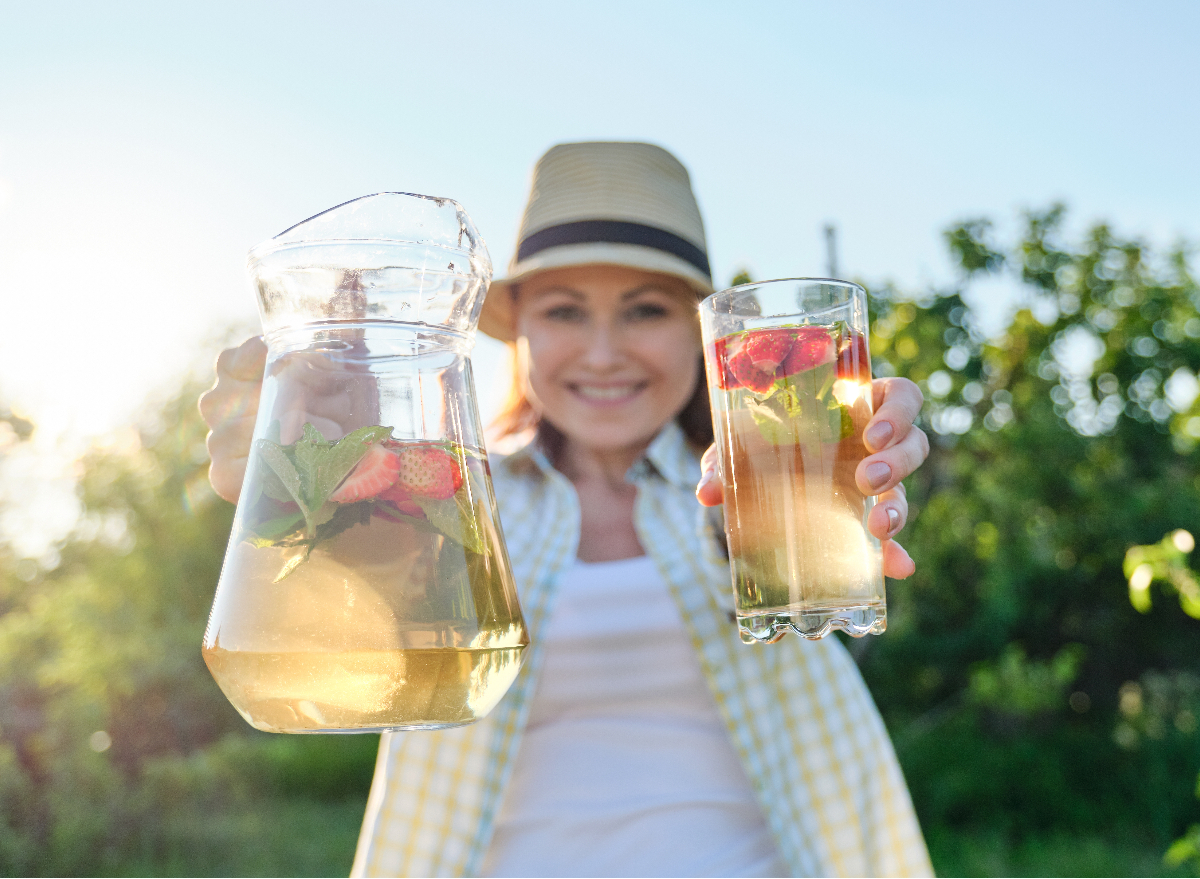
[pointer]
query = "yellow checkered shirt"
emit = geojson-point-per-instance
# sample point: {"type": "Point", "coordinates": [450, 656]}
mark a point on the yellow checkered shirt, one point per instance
{"type": "Point", "coordinates": [798, 713]}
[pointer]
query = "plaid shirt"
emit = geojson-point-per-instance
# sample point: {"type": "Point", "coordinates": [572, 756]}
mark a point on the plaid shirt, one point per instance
{"type": "Point", "coordinates": [798, 714]}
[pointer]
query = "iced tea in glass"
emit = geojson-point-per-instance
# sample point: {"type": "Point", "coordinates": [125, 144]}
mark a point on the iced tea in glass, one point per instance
{"type": "Point", "coordinates": [790, 385]}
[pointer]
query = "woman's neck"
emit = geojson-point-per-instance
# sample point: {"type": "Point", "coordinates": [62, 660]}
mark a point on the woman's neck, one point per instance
{"type": "Point", "coordinates": [606, 501]}
{"type": "Point", "coordinates": [582, 464]}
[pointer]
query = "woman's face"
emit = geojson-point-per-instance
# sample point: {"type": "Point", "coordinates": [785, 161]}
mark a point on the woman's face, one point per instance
{"type": "Point", "coordinates": [610, 354]}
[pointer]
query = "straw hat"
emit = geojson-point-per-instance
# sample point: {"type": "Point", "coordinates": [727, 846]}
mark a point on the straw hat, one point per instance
{"type": "Point", "coordinates": [604, 203]}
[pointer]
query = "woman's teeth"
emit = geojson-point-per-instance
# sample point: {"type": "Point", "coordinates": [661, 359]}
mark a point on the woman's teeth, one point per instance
{"type": "Point", "coordinates": [594, 392]}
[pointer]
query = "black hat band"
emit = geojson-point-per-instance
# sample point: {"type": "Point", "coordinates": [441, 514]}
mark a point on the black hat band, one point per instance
{"type": "Point", "coordinates": [614, 232]}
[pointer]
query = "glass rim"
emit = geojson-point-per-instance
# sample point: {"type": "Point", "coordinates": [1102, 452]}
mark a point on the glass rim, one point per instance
{"type": "Point", "coordinates": [827, 281]}
{"type": "Point", "coordinates": [279, 246]}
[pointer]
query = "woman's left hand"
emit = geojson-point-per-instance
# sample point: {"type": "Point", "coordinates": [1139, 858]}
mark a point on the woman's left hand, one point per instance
{"type": "Point", "coordinates": [897, 448]}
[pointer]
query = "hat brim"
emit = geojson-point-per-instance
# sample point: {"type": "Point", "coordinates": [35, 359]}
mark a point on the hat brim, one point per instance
{"type": "Point", "coordinates": [496, 319]}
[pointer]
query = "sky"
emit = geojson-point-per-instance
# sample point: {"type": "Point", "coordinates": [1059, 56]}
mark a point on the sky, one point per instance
{"type": "Point", "coordinates": [144, 148]}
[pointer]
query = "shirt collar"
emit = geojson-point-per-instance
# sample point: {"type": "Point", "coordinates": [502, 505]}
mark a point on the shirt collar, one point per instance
{"type": "Point", "coordinates": [671, 458]}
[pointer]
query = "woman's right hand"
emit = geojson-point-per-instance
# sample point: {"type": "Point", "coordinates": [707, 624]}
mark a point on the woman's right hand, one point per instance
{"type": "Point", "coordinates": [230, 408]}
{"type": "Point", "coordinates": [331, 394]}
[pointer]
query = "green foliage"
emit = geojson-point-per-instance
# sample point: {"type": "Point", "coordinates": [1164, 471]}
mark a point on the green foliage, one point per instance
{"type": "Point", "coordinates": [1186, 849]}
{"type": "Point", "coordinates": [1013, 684]}
{"type": "Point", "coordinates": [971, 246]}
{"type": "Point", "coordinates": [1165, 562]}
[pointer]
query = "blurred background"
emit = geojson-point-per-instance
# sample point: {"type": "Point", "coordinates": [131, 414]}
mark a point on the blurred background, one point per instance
{"type": "Point", "coordinates": [1015, 183]}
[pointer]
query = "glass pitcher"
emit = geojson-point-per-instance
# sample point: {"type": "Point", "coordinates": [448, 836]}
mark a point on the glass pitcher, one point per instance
{"type": "Point", "coordinates": [366, 586]}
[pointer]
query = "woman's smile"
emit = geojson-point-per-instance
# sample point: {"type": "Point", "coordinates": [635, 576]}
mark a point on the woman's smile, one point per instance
{"type": "Point", "coordinates": [607, 394]}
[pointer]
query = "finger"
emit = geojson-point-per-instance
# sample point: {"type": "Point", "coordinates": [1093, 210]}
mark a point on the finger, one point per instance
{"type": "Point", "coordinates": [883, 471]}
{"type": "Point", "coordinates": [889, 515]}
{"type": "Point", "coordinates": [229, 400]}
{"type": "Point", "coordinates": [244, 363]}
{"type": "Point", "coordinates": [229, 449]}
{"type": "Point", "coordinates": [710, 491]}
{"type": "Point", "coordinates": [226, 481]}
{"type": "Point", "coordinates": [291, 426]}
{"type": "Point", "coordinates": [897, 403]}
{"type": "Point", "coordinates": [897, 563]}
{"type": "Point", "coordinates": [231, 439]}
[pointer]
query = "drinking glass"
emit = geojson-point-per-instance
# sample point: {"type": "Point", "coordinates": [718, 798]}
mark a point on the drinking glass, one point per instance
{"type": "Point", "coordinates": [789, 377]}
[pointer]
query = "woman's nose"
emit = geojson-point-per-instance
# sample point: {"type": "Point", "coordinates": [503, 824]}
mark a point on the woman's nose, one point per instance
{"type": "Point", "coordinates": [603, 347]}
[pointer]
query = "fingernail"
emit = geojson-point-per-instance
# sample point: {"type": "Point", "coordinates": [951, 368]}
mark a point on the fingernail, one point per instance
{"type": "Point", "coordinates": [705, 479]}
{"type": "Point", "coordinates": [878, 434]}
{"type": "Point", "coordinates": [878, 474]}
{"type": "Point", "coordinates": [893, 520]}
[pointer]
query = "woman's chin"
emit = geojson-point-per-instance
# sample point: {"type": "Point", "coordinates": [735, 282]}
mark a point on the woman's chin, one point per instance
{"type": "Point", "coordinates": [611, 434]}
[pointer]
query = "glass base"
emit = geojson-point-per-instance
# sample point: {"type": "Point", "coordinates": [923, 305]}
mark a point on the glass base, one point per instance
{"type": "Point", "coordinates": [812, 623]}
{"type": "Point", "coordinates": [372, 730]}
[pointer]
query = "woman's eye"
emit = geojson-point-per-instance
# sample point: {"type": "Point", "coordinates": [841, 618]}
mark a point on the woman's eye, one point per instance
{"type": "Point", "coordinates": [647, 311]}
{"type": "Point", "coordinates": [566, 313]}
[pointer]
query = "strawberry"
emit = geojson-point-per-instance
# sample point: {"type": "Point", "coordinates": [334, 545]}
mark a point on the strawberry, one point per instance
{"type": "Point", "coordinates": [813, 347]}
{"type": "Point", "coordinates": [374, 472]}
{"type": "Point", "coordinates": [854, 358]}
{"type": "Point", "coordinates": [398, 500]}
{"type": "Point", "coordinates": [722, 351]}
{"type": "Point", "coordinates": [428, 470]}
{"type": "Point", "coordinates": [768, 348]}
{"type": "Point", "coordinates": [749, 375]}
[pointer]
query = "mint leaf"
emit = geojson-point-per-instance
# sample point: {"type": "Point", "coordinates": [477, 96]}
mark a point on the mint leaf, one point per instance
{"type": "Point", "coordinates": [773, 423]}
{"type": "Point", "coordinates": [343, 517]}
{"type": "Point", "coordinates": [281, 465]}
{"type": "Point", "coordinates": [322, 515]}
{"type": "Point", "coordinates": [454, 519]}
{"type": "Point", "coordinates": [307, 453]}
{"type": "Point", "coordinates": [273, 529]}
{"type": "Point", "coordinates": [272, 486]}
{"type": "Point", "coordinates": [472, 538]}
{"type": "Point", "coordinates": [830, 372]}
{"type": "Point", "coordinates": [847, 423]}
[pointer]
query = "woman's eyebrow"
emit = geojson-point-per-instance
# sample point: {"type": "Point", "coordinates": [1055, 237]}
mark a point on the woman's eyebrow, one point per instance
{"type": "Point", "coordinates": [645, 288]}
{"type": "Point", "coordinates": [566, 291]}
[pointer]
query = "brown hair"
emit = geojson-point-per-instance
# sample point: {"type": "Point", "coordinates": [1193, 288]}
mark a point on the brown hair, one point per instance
{"type": "Point", "coordinates": [517, 415]}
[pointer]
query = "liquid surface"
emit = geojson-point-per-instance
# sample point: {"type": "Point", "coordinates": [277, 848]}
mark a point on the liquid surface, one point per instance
{"type": "Point", "coordinates": [800, 552]}
{"type": "Point", "coordinates": [367, 690]}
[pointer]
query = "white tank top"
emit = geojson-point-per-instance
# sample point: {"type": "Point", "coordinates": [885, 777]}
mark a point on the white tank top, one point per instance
{"type": "Point", "coordinates": [625, 768]}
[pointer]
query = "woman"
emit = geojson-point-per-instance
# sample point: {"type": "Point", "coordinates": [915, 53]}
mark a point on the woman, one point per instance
{"type": "Point", "coordinates": [641, 738]}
